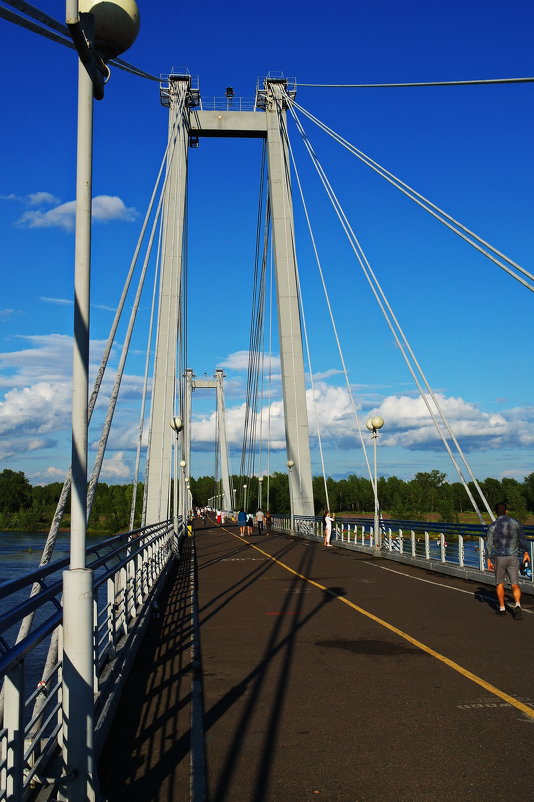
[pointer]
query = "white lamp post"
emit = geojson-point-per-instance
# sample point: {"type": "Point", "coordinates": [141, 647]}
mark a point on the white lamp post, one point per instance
{"type": "Point", "coordinates": [260, 480]}
{"type": "Point", "coordinates": [374, 424]}
{"type": "Point", "coordinates": [183, 463]}
{"type": "Point", "coordinates": [290, 464]}
{"type": "Point", "coordinates": [121, 23]}
{"type": "Point", "coordinates": [233, 493]}
{"type": "Point", "coordinates": [244, 498]}
{"type": "Point", "coordinates": [177, 426]}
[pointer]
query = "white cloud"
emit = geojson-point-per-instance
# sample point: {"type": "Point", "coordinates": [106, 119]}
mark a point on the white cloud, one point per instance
{"type": "Point", "coordinates": [6, 314]}
{"type": "Point", "coordinates": [48, 358]}
{"type": "Point", "coordinates": [43, 407]}
{"type": "Point", "coordinates": [115, 467]}
{"type": "Point", "coordinates": [55, 473]}
{"type": "Point", "coordinates": [42, 199]}
{"type": "Point", "coordinates": [326, 374]}
{"type": "Point", "coordinates": [33, 199]}
{"type": "Point", "coordinates": [57, 301]}
{"type": "Point", "coordinates": [105, 208]}
{"type": "Point", "coordinates": [239, 361]}
{"type": "Point", "coordinates": [407, 423]}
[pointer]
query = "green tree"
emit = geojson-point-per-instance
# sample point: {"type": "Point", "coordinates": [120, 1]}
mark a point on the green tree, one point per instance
{"type": "Point", "coordinates": [15, 491]}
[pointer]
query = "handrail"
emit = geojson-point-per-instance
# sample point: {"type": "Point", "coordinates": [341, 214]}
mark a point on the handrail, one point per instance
{"type": "Point", "coordinates": [128, 573]}
{"type": "Point", "coordinates": [436, 546]}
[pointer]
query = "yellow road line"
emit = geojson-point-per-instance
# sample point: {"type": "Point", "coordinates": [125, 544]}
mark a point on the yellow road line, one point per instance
{"type": "Point", "coordinates": [528, 711]}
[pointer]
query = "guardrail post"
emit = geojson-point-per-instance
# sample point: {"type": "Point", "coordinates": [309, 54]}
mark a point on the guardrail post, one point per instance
{"type": "Point", "coordinates": [412, 540]}
{"type": "Point", "coordinates": [14, 724]}
{"type": "Point", "coordinates": [442, 546]}
{"type": "Point", "coordinates": [111, 618]}
{"type": "Point", "coordinates": [401, 542]}
{"type": "Point", "coordinates": [481, 558]}
{"type": "Point", "coordinates": [427, 546]}
{"type": "Point", "coordinates": [461, 553]}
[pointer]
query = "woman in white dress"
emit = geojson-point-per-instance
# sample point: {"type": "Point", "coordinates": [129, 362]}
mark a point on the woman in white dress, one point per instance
{"type": "Point", "coordinates": [328, 521]}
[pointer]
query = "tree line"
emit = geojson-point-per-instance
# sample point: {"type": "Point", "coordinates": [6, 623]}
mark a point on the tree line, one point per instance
{"type": "Point", "coordinates": [427, 495]}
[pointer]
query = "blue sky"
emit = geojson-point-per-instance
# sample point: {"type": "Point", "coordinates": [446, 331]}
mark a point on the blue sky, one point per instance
{"type": "Point", "coordinates": [469, 149]}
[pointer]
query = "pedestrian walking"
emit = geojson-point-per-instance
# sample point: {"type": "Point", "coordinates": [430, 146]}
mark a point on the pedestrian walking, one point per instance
{"type": "Point", "coordinates": [259, 521]}
{"type": "Point", "coordinates": [504, 546]}
{"type": "Point", "coordinates": [250, 524]}
{"type": "Point", "coordinates": [242, 521]}
{"type": "Point", "coordinates": [268, 523]}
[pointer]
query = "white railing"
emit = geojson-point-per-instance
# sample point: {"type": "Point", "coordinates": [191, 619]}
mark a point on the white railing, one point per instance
{"type": "Point", "coordinates": [128, 572]}
{"type": "Point", "coordinates": [227, 104]}
{"type": "Point", "coordinates": [458, 554]}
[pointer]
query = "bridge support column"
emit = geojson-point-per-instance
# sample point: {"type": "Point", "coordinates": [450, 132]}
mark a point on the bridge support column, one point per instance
{"type": "Point", "coordinates": [292, 361]}
{"type": "Point", "coordinates": [164, 387]}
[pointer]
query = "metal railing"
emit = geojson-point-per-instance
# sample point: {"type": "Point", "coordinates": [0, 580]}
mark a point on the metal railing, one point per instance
{"type": "Point", "coordinates": [128, 573]}
{"type": "Point", "coordinates": [445, 548]}
{"type": "Point", "coordinates": [227, 104]}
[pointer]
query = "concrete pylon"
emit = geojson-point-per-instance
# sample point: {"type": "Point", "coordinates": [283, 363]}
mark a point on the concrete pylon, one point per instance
{"type": "Point", "coordinates": [158, 479]}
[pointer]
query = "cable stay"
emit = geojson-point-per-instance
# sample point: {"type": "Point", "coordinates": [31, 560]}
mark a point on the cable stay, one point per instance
{"type": "Point", "coordinates": [340, 351]}
{"type": "Point", "coordinates": [481, 245]}
{"type": "Point", "coordinates": [398, 334]}
{"type": "Point", "coordinates": [60, 508]}
{"type": "Point", "coordinates": [150, 337]}
{"type": "Point", "coordinates": [476, 82]}
{"type": "Point", "coordinates": [61, 35]}
{"type": "Point", "coordinates": [263, 225]}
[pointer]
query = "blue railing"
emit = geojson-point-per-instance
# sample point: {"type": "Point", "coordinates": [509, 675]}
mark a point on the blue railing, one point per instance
{"type": "Point", "coordinates": [443, 547]}
{"type": "Point", "coordinates": [127, 573]}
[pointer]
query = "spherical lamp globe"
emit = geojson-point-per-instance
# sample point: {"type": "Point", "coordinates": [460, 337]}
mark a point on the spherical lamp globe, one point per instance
{"type": "Point", "coordinates": [369, 424]}
{"type": "Point", "coordinates": [116, 25]}
{"type": "Point", "coordinates": [377, 422]}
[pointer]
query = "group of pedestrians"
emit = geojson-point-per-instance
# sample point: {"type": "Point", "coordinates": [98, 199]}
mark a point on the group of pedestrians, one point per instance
{"type": "Point", "coordinates": [246, 522]}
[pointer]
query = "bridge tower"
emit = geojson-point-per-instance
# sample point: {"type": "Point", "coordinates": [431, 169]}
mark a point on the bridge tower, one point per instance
{"type": "Point", "coordinates": [164, 407]}
{"type": "Point", "coordinates": [217, 384]}
{"type": "Point", "coordinates": [268, 122]}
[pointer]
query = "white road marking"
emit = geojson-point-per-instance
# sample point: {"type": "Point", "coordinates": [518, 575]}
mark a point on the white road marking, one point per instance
{"type": "Point", "coordinates": [437, 584]}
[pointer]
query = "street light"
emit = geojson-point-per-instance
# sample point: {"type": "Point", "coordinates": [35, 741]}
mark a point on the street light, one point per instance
{"type": "Point", "coordinates": [374, 424]}
{"type": "Point", "coordinates": [233, 493]}
{"type": "Point", "coordinates": [177, 426]}
{"type": "Point", "coordinates": [108, 30]}
{"type": "Point", "coordinates": [183, 463]}
{"type": "Point", "coordinates": [290, 464]}
{"type": "Point", "coordinates": [244, 498]}
{"type": "Point", "coordinates": [260, 480]}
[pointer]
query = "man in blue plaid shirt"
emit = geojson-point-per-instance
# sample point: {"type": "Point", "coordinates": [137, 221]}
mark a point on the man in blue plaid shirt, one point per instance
{"type": "Point", "coordinates": [504, 545]}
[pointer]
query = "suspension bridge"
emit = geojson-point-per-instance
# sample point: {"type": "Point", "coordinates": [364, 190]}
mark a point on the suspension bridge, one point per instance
{"type": "Point", "coordinates": [193, 663]}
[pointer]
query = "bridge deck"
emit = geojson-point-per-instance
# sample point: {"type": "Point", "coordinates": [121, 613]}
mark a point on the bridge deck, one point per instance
{"type": "Point", "coordinates": [309, 690]}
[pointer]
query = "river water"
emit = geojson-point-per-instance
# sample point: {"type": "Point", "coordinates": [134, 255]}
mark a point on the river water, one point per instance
{"type": "Point", "coordinates": [20, 553]}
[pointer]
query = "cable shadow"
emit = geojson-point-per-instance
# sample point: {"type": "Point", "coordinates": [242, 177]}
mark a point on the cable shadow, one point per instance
{"type": "Point", "coordinates": [238, 587]}
{"type": "Point", "coordinates": [150, 734]}
{"type": "Point", "coordinates": [255, 680]}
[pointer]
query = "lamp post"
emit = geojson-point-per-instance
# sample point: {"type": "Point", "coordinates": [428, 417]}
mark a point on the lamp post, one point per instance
{"type": "Point", "coordinates": [120, 21]}
{"type": "Point", "coordinates": [183, 463]}
{"type": "Point", "coordinates": [374, 425]}
{"type": "Point", "coordinates": [244, 498]}
{"type": "Point", "coordinates": [260, 480]}
{"type": "Point", "coordinates": [290, 464]}
{"type": "Point", "coordinates": [177, 426]}
{"type": "Point", "coordinates": [233, 493]}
